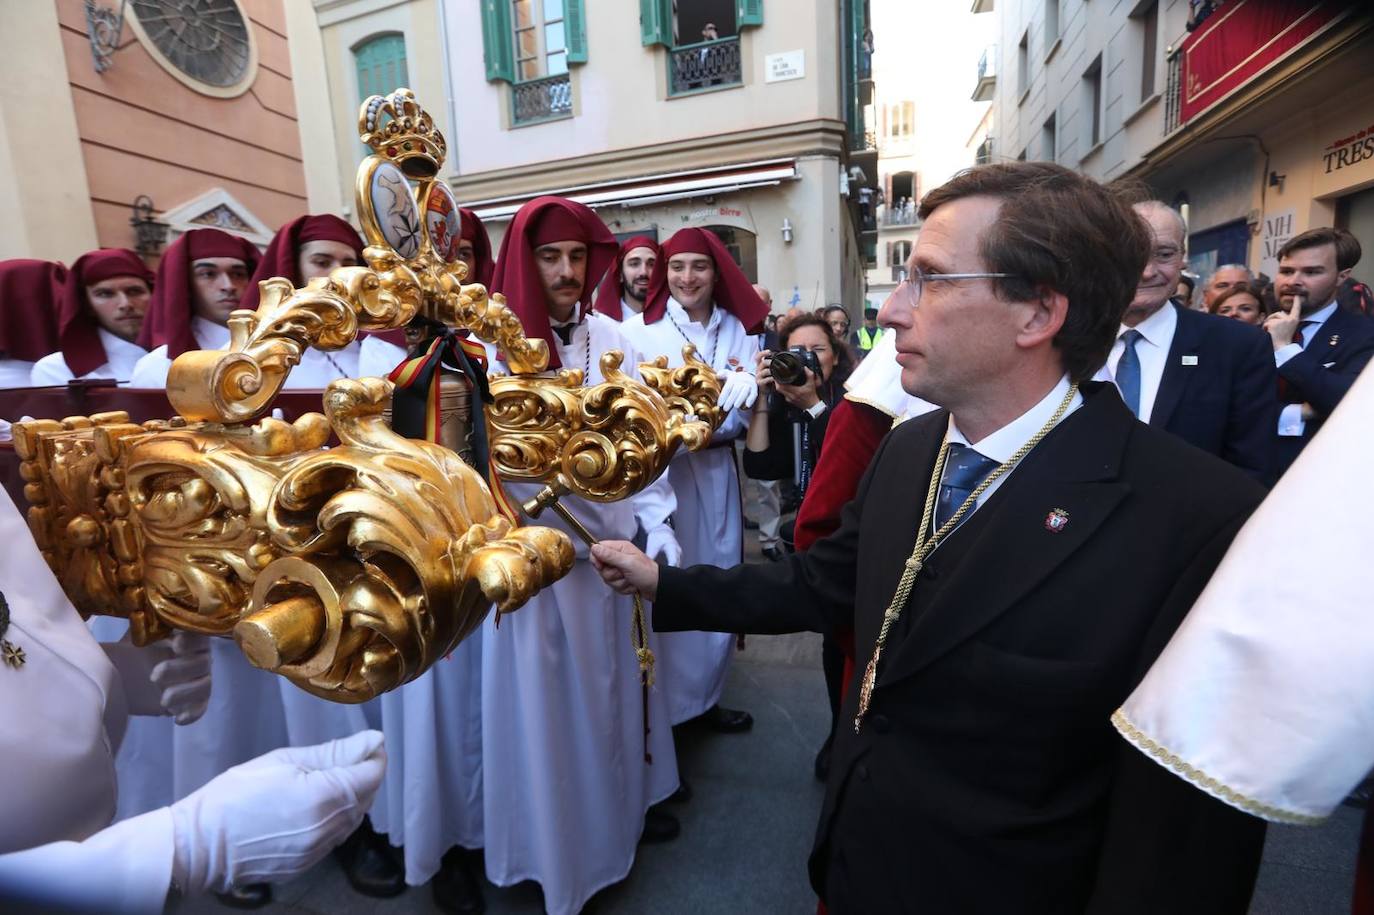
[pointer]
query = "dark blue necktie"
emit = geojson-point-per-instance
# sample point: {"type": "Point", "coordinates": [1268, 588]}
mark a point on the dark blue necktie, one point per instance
{"type": "Point", "coordinates": [1128, 371]}
{"type": "Point", "coordinates": [964, 470]}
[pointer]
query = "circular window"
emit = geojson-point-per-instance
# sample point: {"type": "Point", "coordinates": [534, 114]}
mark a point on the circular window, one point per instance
{"type": "Point", "coordinates": [207, 44]}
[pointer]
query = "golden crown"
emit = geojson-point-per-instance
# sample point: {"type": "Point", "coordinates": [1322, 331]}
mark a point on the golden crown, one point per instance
{"type": "Point", "coordinates": [398, 129]}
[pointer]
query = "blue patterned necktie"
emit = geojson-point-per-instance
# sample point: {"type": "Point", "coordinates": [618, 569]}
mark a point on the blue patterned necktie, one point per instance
{"type": "Point", "coordinates": [964, 470]}
{"type": "Point", "coordinates": [1128, 371]}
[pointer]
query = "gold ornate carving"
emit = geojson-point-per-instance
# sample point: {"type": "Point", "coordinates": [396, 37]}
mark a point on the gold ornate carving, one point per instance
{"type": "Point", "coordinates": [348, 569]}
{"type": "Point", "coordinates": [605, 442]}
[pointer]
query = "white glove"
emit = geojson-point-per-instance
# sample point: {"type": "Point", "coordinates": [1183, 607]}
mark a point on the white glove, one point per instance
{"type": "Point", "coordinates": [185, 677]}
{"type": "Point", "coordinates": [661, 541]}
{"type": "Point", "coordinates": [276, 816]}
{"type": "Point", "coordinates": [738, 389]}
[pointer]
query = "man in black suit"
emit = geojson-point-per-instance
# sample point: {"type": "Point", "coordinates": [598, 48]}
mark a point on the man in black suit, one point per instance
{"type": "Point", "coordinates": [1206, 379]}
{"type": "Point", "coordinates": [1319, 347]}
{"type": "Point", "coordinates": [983, 775]}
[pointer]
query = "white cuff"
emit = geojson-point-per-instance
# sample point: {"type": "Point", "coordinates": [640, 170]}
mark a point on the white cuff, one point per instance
{"type": "Point", "coordinates": [1284, 353]}
{"type": "Point", "coordinates": [816, 409]}
{"type": "Point", "coordinates": [1291, 423]}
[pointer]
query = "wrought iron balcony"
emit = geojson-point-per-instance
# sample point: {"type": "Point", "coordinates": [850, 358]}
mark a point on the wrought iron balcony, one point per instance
{"type": "Point", "coordinates": [539, 100]}
{"type": "Point", "coordinates": [705, 65]}
{"type": "Point", "coordinates": [987, 75]}
{"type": "Point", "coordinates": [900, 216]}
{"type": "Point", "coordinates": [1173, 90]}
{"type": "Point", "coordinates": [983, 155]}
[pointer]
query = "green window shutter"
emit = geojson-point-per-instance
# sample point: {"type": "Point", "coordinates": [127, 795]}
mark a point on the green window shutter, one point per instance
{"type": "Point", "coordinates": [656, 22]}
{"type": "Point", "coordinates": [749, 12]}
{"type": "Point", "coordinates": [497, 40]}
{"type": "Point", "coordinates": [575, 27]}
{"type": "Point", "coordinates": [381, 65]}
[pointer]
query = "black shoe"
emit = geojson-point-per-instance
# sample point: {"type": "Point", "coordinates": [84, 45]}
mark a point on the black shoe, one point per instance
{"type": "Point", "coordinates": [456, 888]}
{"type": "Point", "coordinates": [659, 826]}
{"type": "Point", "coordinates": [728, 720]}
{"type": "Point", "coordinates": [248, 896]}
{"type": "Point", "coordinates": [682, 795]}
{"type": "Point", "coordinates": [370, 865]}
{"type": "Point", "coordinates": [774, 554]}
{"type": "Point", "coordinates": [822, 764]}
{"type": "Point", "coordinates": [750, 525]}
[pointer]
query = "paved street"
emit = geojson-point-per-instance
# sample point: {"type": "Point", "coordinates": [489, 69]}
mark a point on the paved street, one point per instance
{"type": "Point", "coordinates": [746, 832]}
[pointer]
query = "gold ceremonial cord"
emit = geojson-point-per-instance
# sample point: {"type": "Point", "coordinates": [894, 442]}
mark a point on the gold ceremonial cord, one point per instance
{"type": "Point", "coordinates": [925, 546]}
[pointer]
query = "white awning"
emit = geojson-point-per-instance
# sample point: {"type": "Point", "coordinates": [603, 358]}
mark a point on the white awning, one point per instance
{"type": "Point", "coordinates": [653, 189]}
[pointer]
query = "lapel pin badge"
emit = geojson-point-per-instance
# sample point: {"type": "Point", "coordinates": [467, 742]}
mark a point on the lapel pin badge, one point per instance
{"type": "Point", "coordinates": [1190, 360]}
{"type": "Point", "coordinates": [1056, 521]}
{"type": "Point", "coordinates": [1335, 338]}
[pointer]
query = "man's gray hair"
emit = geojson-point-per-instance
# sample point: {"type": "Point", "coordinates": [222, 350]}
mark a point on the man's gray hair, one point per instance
{"type": "Point", "coordinates": [1249, 277]}
{"type": "Point", "coordinates": [1178, 217]}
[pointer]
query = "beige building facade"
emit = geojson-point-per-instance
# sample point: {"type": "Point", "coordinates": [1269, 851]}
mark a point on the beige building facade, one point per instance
{"type": "Point", "coordinates": [630, 108]}
{"type": "Point", "coordinates": [1253, 122]}
{"type": "Point", "coordinates": [194, 112]}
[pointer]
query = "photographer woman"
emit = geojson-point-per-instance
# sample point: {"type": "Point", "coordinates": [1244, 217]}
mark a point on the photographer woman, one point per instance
{"type": "Point", "coordinates": [788, 425]}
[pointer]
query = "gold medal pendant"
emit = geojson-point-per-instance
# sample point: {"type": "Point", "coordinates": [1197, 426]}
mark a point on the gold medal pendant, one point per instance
{"type": "Point", "coordinates": [866, 691]}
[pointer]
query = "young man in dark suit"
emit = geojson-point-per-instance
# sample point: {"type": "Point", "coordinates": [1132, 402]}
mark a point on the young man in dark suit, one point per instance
{"type": "Point", "coordinates": [1206, 379]}
{"type": "Point", "coordinates": [1319, 347]}
{"type": "Point", "coordinates": [976, 769]}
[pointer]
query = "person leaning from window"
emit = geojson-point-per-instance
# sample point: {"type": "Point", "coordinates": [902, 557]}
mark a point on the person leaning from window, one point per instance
{"type": "Point", "coordinates": [789, 420]}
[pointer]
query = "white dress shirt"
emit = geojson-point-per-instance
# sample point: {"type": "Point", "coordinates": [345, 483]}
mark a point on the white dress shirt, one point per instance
{"type": "Point", "coordinates": [1003, 444]}
{"type": "Point", "coordinates": [1291, 423]}
{"type": "Point", "coordinates": [1156, 336]}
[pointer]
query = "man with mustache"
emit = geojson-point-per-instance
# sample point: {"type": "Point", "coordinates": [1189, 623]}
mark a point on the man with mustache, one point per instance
{"type": "Point", "coordinates": [1011, 565]}
{"type": "Point", "coordinates": [99, 318]}
{"type": "Point", "coordinates": [1319, 347]}
{"type": "Point", "coordinates": [576, 749]}
{"type": "Point", "coordinates": [626, 287]}
{"type": "Point", "coordinates": [1203, 378]}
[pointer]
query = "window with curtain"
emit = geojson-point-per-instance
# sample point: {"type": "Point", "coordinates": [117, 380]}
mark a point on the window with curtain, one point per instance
{"type": "Point", "coordinates": [381, 63]}
{"type": "Point", "coordinates": [541, 41]}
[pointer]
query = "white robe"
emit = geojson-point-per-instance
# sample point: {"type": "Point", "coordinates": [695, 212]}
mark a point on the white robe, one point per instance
{"type": "Point", "coordinates": [122, 356]}
{"type": "Point", "coordinates": [60, 722]}
{"type": "Point", "coordinates": [708, 520]}
{"type": "Point", "coordinates": [565, 781]}
{"type": "Point", "coordinates": [317, 368]}
{"type": "Point", "coordinates": [15, 373]}
{"type": "Point", "coordinates": [1264, 696]}
{"type": "Point", "coordinates": [377, 357]}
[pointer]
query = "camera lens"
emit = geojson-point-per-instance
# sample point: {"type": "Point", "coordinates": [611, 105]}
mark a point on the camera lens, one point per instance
{"type": "Point", "coordinates": [787, 368]}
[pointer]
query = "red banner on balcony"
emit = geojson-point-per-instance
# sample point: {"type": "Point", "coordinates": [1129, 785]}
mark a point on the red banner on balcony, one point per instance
{"type": "Point", "coordinates": [1241, 40]}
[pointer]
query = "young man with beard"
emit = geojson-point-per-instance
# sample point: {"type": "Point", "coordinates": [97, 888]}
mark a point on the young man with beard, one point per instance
{"type": "Point", "coordinates": [1203, 378]}
{"type": "Point", "coordinates": [626, 287]}
{"type": "Point", "coordinates": [568, 770]}
{"type": "Point", "coordinates": [1011, 565]}
{"type": "Point", "coordinates": [99, 318]}
{"type": "Point", "coordinates": [1320, 348]}
{"type": "Point", "coordinates": [700, 296]}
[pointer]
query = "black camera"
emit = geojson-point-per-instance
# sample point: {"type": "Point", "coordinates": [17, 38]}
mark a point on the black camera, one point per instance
{"type": "Point", "coordinates": [789, 366]}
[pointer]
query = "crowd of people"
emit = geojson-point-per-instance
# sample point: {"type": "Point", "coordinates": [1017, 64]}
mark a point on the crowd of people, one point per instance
{"type": "Point", "coordinates": [1075, 390]}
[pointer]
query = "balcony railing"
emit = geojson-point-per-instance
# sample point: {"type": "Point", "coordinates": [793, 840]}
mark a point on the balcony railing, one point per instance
{"type": "Point", "coordinates": [987, 75]}
{"type": "Point", "coordinates": [706, 65]}
{"type": "Point", "coordinates": [544, 99]}
{"type": "Point", "coordinates": [900, 216]}
{"type": "Point", "coordinates": [1173, 90]}
{"type": "Point", "coordinates": [983, 155]}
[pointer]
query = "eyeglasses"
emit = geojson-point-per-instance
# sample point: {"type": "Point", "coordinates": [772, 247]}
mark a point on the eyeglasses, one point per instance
{"type": "Point", "coordinates": [908, 291]}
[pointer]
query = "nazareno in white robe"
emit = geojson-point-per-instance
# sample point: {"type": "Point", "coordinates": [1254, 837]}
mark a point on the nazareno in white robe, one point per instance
{"type": "Point", "coordinates": [709, 518]}
{"type": "Point", "coordinates": [121, 357]}
{"type": "Point", "coordinates": [251, 711]}
{"type": "Point", "coordinates": [565, 780]}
